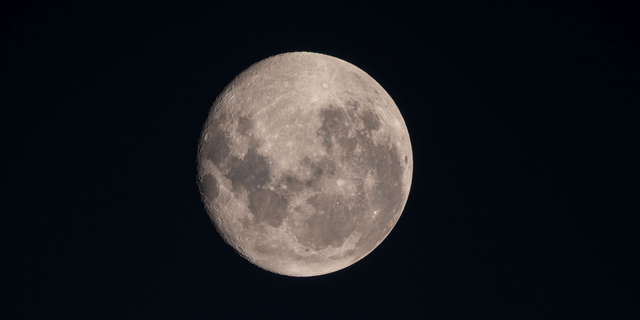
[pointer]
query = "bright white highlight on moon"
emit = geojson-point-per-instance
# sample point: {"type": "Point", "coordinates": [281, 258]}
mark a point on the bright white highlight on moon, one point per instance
{"type": "Point", "coordinates": [304, 164]}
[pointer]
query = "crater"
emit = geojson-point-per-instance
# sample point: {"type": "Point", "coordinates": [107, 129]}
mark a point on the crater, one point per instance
{"type": "Point", "coordinates": [209, 187]}
{"type": "Point", "coordinates": [217, 145]}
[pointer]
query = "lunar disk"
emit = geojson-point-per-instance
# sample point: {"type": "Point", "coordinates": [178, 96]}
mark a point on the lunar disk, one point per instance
{"type": "Point", "coordinates": [304, 164]}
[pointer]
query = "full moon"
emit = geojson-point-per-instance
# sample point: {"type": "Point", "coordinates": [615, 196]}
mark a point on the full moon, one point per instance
{"type": "Point", "coordinates": [304, 164]}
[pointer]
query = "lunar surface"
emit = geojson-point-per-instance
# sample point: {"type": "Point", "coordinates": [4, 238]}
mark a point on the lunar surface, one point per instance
{"type": "Point", "coordinates": [304, 164]}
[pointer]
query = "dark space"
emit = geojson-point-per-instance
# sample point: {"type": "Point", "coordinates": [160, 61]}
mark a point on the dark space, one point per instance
{"type": "Point", "coordinates": [523, 122]}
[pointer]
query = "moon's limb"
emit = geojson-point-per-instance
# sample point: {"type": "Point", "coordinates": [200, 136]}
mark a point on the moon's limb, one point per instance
{"type": "Point", "coordinates": [305, 164]}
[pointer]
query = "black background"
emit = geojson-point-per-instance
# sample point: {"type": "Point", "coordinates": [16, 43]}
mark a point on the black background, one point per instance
{"type": "Point", "coordinates": [522, 120]}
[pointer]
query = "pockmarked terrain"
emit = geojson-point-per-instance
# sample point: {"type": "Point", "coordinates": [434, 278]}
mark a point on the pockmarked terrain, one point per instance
{"type": "Point", "coordinates": [304, 164]}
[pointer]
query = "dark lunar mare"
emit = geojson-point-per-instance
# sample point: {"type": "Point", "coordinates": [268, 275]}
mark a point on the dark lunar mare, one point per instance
{"type": "Point", "coordinates": [337, 216]}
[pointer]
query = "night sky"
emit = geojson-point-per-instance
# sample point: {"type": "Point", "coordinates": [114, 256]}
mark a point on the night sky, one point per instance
{"type": "Point", "coordinates": [522, 118]}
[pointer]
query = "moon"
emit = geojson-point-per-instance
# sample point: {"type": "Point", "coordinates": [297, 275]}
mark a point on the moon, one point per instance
{"type": "Point", "coordinates": [304, 164]}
